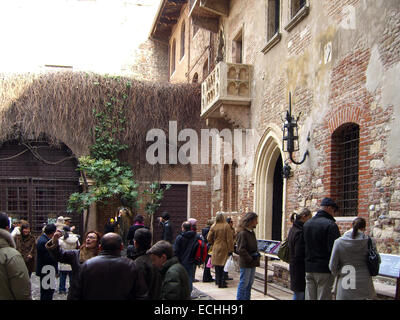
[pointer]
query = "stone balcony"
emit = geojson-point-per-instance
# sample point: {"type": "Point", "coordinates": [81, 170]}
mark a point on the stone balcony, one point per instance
{"type": "Point", "coordinates": [226, 95]}
{"type": "Point", "coordinates": [206, 13]}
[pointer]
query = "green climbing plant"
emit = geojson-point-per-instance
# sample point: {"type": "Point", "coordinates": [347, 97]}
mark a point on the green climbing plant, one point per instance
{"type": "Point", "coordinates": [111, 177]}
{"type": "Point", "coordinates": [155, 194]}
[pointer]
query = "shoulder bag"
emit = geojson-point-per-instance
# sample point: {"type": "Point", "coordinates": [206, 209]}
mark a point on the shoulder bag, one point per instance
{"type": "Point", "coordinates": [283, 251]}
{"type": "Point", "coordinates": [373, 259]}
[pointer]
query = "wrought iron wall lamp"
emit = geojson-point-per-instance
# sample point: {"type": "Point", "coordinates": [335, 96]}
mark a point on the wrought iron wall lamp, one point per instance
{"type": "Point", "coordinates": [290, 141]}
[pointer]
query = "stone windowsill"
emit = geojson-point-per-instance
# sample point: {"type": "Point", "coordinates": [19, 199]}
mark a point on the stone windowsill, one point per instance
{"type": "Point", "coordinates": [300, 15]}
{"type": "Point", "coordinates": [345, 219]}
{"type": "Point", "coordinates": [272, 42]}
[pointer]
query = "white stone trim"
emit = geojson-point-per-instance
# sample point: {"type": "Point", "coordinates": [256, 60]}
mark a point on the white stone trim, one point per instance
{"type": "Point", "coordinates": [199, 183]}
{"type": "Point", "coordinates": [345, 219]}
{"type": "Point", "coordinates": [267, 153]}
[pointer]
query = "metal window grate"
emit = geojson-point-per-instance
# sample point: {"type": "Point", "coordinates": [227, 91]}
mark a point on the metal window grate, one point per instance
{"type": "Point", "coordinates": [33, 190]}
{"type": "Point", "coordinates": [37, 200]}
{"type": "Point", "coordinates": [348, 156]}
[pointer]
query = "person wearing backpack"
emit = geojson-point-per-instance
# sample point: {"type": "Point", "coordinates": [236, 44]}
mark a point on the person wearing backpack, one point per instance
{"type": "Point", "coordinates": [185, 250]}
{"type": "Point", "coordinates": [297, 254]}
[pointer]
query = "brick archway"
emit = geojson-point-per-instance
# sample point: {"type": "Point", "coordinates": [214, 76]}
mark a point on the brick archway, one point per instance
{"type": "Point", "coordinates": [342, 116]}
{"type": "Point", "coordinates": [337, 119]}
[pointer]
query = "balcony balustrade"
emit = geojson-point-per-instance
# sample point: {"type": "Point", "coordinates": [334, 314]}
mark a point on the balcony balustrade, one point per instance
{"type": "Point", "coordinates": [226, 94]}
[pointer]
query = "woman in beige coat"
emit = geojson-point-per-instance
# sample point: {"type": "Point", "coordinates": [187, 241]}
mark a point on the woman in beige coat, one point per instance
{"type": "Point", "coordinates": [220, 237]}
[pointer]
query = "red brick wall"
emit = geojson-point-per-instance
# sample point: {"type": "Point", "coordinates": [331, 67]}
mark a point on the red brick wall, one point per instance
{"type": "Point", "coordinates": [389, 44]}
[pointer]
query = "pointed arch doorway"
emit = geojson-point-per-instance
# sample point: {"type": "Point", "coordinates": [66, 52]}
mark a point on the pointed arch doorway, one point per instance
{"type": "Point", "coordinates": [277, 201]}
{"type": "Point", "coordinates": [269, 188]}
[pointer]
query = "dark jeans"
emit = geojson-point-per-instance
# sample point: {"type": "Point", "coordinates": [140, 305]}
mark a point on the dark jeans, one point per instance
{"type": "Point", "coordinates": [219, 276]}
{"type": "Point", "coordinates": [63, 280]}
{"type": "Point", "coordinates": [207, 277]}
{"type": "Point", "coordinates": [45, 294]}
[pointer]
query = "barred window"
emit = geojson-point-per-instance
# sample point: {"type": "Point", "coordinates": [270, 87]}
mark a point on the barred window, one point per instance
{"type": "Point", "coordinates": [345, 158]}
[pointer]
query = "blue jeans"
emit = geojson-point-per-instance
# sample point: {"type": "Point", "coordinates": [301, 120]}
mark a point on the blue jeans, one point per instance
{"type": "Point", "coordinates": [300, 295]}
{"type": "Point", "coordinates": [191, 270]}
{"type": "Point", "coordinates": [63, 280]}
{"type": "Point", "coordinates": [245, 283]}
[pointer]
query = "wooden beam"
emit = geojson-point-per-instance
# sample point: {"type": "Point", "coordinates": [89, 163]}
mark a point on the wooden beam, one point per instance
{"type": "Point", "coordinates": [220, 7]}
{"type": "Point", "coordinates": [167, 20]}
{"type": "Point", "coordinates": [210, 24]}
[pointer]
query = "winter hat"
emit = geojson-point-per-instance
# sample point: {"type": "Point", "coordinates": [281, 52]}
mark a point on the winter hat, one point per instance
{"type": "Point", "coordinates": [60, 223]}
{"type": "Point", "coordinates": [328, 202]}
{"type": "Point", "coordinates": [165, 215]}
{"type": "Point", "coordinates": [4, 221]}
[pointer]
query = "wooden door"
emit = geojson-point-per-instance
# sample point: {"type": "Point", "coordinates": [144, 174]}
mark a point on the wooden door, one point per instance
{"type": "Point", "coordinates": [175, 201]}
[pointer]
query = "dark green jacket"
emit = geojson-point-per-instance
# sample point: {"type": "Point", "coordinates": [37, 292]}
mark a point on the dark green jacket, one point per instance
{"type": "Point", "coordinates": [14, 279]}
{"type": "Point", "coordinates": [175, 281]}
{"type": "Point", "coordinates": [150, 273]}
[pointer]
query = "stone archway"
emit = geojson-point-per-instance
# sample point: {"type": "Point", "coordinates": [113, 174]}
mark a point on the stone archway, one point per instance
{"type": "Point", "coordinates": [268, 156]}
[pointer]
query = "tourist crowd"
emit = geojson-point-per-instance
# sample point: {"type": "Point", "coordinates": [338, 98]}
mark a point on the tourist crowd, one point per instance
{"type": "Point", "coordinates": [122, 264]}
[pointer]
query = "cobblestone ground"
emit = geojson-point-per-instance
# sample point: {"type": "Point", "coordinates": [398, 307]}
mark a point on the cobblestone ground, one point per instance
{"type": "Point", "coordinates": [196, 294]}
{"type": "Point", "coordinates": [35, 287]}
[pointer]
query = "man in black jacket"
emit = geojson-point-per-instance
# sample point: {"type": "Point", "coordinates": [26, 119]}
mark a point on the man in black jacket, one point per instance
{"type": "Point", "coordinates": [320, 233]}
{"type": "Point", "coordinates": [110, 276]}
{"type": "Point", "coordinates": [142, 243]}
{"type": "Point", "coordinates": [167, 228]}
{"type": "Point", "coordinates": [184, 250]}
{"type": "Point", "coordinates": [46, 266]}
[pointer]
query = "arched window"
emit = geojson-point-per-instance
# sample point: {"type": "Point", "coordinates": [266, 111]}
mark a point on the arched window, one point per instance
{"type": "Point", "coordinates": [205, 70]}
{"type": "Point", "coordinates": [173, 56]}
{"type": "Point", "coordinates": [234, 186]}
{"type": "Point", "coordinates": [195, 78]}
{"type": "Point", "coordinates": [344, 163]}
{"type": "Point", "coordinates": [183, 39]}
{"type": "Point", "coordinates": [225, 190]}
